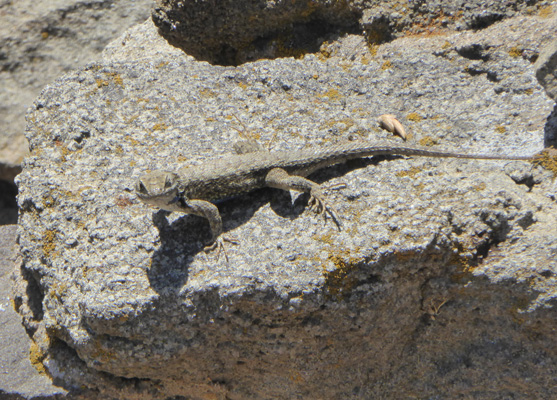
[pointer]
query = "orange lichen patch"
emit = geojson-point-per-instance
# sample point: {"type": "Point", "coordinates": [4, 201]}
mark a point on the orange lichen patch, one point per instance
{"type": "Point", "coordinates": [341, 280]}
{"type": "Point", "coordinates": [122, 201]}
{"type": "Point", "coordinates": [386, 65]}
{"type": "Point", "coordinates": [547, 159]}
{"type": "Point", "coordinates": [414, 117]}
{"type": "Point", "coordinates": [116, 78]}
{"type": "Point", "coordinates": [101, 83]}
{"type": "Point", "coordinates": [409, 172]}
{"type": "Point", "coordinates": [546, 12]}
{"type": "Point", "coordinates": [36, 358]}
{"type": "Point", "coordinates": [48, 243]}
{"type": "Point", "coordinates": [332, 94]}
{"type": "Point", "coordinates": [161, 126]}
{"type": "Point", "coordinates": [427, 141]}
{"type": "Point", "coordinates": [515, 52]}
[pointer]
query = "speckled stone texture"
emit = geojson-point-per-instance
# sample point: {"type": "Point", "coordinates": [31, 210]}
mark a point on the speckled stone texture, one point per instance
{"type": "Point", "coordinates": [440, 284]}
{"type": "Point", "coordinates": [39, 41]}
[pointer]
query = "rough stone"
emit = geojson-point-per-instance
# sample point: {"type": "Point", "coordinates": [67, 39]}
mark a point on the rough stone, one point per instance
{"type": "Point", "coordinates": [238, 31]}
{"type": "Point", "coordinates": [19, 379]}
{"type": "Point", "coordinates": [440, 285]}
{"type": "Point", "coordinates": [41, 40]}
{"type": "Point", "coordinates": [546, 69]}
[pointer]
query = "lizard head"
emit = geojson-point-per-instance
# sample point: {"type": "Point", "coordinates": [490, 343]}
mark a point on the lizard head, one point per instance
{"type": "Point", "coordinates": [160, 189]}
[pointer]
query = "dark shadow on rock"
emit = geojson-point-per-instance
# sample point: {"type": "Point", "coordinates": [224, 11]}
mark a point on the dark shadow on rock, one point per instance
{"type": "Point", "coordinates": [8, 203]}
{"type": "Point", "coordinates": [182, 239]}
{"type": "Point", "coordinates": [550, 129]}
{"type": "Point", "coordinates": [236, 32]}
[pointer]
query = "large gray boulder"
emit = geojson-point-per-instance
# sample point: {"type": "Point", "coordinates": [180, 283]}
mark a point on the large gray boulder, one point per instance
{"type": "Point", "coordinates": [440, 284]}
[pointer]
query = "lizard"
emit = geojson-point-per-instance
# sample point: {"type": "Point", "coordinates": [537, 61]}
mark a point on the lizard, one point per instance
{"type": "Point", "coordinates": [196, 188]}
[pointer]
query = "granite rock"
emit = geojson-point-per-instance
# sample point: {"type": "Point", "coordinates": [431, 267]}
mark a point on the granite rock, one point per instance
{"type": "Point", "coordinates": [238, 31]}
{"type": "Point", "coordinates": [19, 377]}
{"type": "Point", "coordinates": [546, 69]}
{"type": "Point", "coordinates": [440, 284]}
{"type": "Point", "coordinates": [41, 40]}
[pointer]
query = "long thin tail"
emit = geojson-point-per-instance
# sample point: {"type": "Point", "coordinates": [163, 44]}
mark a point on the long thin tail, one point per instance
{"type": "Point", "coordinates": [306, 161]}
{"type": "Point", "coordinates": [408, 151]}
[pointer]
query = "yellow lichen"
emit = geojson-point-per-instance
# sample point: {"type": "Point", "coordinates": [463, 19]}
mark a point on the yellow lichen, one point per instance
{"type": "Point", "coordinates": [332, 94]}
{"type": "Point", "coordinates": [48, 243]}
{"type": "Point", "coordinates": [341, 281]}
{"type": "Point", "coordinates": [373, 49]}
{"type": "Point", "coordinates": [386, 65]}
{"type": "Point", "coordinates": [546, 12]}
{"type": "Point", "coordinates": [101, 83]}
{"type": "Point", "coordinates": [161, 126]}
{"type": "Point", "coordinates": [547, 159]}
{"type": "Point", "coordinates": [116, 78]}
{"type": "Point", "coordinates": [515, 52]}
{"type": "Point", "coordinates": [427, 141]}
{"type": "Point", "coordinates": [409, 172]}
{"type": "Point", "coordinates": [414, 117]}
{"type": "Point", "coordinates": [36, 357]}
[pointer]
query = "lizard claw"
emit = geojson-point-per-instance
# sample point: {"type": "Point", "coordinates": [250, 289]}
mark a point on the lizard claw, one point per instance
{"type": "Point", "coordinates": [218, 244]}
{"type": "Point", "coordinates": [318, 205]}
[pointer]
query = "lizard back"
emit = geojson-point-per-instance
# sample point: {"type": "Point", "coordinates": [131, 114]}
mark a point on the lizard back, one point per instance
{"type": "Point", "coordinates": [233, 174]}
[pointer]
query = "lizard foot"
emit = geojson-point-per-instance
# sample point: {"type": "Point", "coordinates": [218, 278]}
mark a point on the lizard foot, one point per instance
{"type": "Point", "coordinates": [318, 205]}
{"type": "Point", "coordinates": [218, 244]}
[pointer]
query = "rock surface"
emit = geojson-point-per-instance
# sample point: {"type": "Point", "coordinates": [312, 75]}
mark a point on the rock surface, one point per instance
{"type": "Point", "coordinates": [546, 69]}
{"type": "Point", "coordinates": [440, 284]}
{"type": "Point", "coordinates": [245, 30]}
{"type": "Point", "coordinates": [40, 41]}
{"type": "Point", "coordinates": [19, 379]}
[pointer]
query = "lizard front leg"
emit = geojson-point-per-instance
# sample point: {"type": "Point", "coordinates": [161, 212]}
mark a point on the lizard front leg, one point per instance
{"type": "Point", "coordinates": [280, 179]}
{"type": "Point", "coordinates": [211, 213]}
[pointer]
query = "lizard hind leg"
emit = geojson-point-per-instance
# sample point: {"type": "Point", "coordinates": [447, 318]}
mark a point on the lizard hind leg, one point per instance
{"type": "Point", "coordinates": [280, 179]}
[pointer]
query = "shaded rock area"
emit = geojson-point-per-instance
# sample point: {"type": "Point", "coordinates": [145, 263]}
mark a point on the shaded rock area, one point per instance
{"type": "Point", "coordinates": [40, 41]}
{"type": "Point", "coordinates": [440, 285]}
{"type": "Point", "coordinates": [19, 378]}
{"type": "Point", "coordinates": [238, 31]}
{"type": "Point", "coordinates": [546, 69]}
